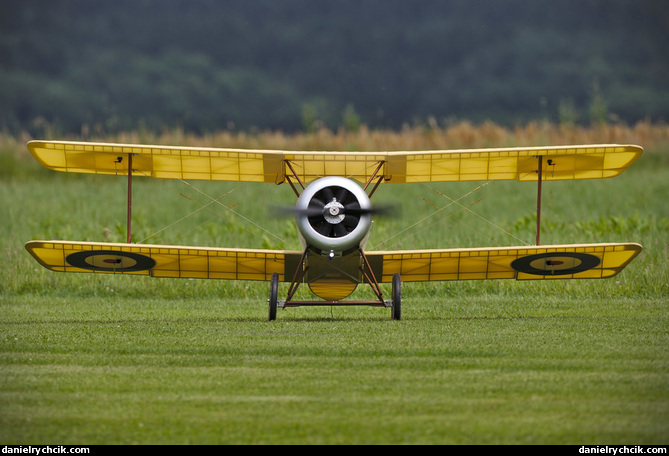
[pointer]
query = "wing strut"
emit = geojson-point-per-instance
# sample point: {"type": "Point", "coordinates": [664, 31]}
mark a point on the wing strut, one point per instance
{"type": "Point", "coordinates": [129, 208]}
{"type": "Point", "coordinates": [541, 160]}
{"type": "Point", "coordinates": [129, 197]}
{"type": "Point", "coordinates": [371, 178]}
{"type": "Point", "coordinates": [296, 177]}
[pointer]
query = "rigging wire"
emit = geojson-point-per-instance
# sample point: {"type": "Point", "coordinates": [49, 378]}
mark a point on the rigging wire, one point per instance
{"type": "Point", "coordinates": [230, 208]}
{"type": "Point", "coordinates": [430, 215]}
{"type": "Point", "coordinates": [490, 222]}
{"type": "Point", "coordinates": [220, 203]}
{"type": "Point", "coordinates": [451, 203]}
{"type": "Point", "coordinates": [204, 206]}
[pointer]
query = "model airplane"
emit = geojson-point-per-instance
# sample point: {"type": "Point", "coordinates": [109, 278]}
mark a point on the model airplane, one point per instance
{"type": "Point", "coordinates": [333, 216]}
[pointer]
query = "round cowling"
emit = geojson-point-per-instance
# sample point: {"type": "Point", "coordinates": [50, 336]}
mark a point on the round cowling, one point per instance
{"type": "Point", "coordinates": [333, 214]}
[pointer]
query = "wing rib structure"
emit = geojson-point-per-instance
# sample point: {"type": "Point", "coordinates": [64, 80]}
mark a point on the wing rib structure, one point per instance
{"type": "Point", "coordinates": [576, 261]}
{"type": "Point", "coordinates": [163, 260]}
{"type": "Point", "coordinates": [246, 165]}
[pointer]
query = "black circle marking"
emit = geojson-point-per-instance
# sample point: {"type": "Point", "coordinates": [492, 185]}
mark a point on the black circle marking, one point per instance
{"type": "Point", "coordinates": [558, 263]}
{"type": "Point", "coordinates": [110, 261]}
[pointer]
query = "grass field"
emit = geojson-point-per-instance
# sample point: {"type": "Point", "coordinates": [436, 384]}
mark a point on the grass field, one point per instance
{"type": "Point", "coordinates": [100, 359]}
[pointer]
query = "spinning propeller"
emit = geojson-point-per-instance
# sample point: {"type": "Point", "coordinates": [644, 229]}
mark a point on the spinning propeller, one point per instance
{"type": "Point", "coordinates": [334, 211]}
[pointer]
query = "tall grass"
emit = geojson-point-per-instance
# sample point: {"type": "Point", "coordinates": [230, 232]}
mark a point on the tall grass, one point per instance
{"type": "Point", "coordinates": [430, 136]}
{"type": "Point", "coordinates": [654, 137]}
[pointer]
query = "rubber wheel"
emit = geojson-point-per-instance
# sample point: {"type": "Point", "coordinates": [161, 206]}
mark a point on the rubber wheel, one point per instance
{"type": "Point", "coordinates": [397, 297]}
{"type": "Point", "coordinates": [273, 296]}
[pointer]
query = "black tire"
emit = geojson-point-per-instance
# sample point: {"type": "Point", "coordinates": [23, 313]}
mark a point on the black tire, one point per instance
{"type": "Point", "coordinates": [397, 297]}
{"type": "Point", "coordinates": [273, 296]}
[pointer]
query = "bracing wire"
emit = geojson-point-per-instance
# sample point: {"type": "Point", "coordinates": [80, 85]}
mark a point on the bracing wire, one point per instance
{"type": "Point", "coordinates": [490, 222]}
{"type": "Point", "coordinates": [439, 210]}
{"type": "Point", "coordinates": [202, 207]}
{"type": "Point", "coordinates": [430, 215]}
{"type": "Point", "coordinates": [217, 201]}
{"type": "Point", "coordinates": [229, 208]}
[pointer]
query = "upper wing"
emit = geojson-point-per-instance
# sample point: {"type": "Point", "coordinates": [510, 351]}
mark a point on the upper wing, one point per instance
{"type": "Point", "coordinates": [587, 261]}
{"type": "Point", "coordinates": [164, 260]}
{"type": "Point", "coordinates": [520, 163]}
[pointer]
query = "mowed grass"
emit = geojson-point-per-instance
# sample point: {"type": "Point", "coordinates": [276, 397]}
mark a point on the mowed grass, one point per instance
{"type": "Point", "coordinates": [496, 370]}
{"type": "Point", "coordinates": [101, 359]}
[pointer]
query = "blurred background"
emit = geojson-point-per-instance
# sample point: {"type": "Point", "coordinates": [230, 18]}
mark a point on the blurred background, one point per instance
{"type": "Point", "coordinates": [84, 66]}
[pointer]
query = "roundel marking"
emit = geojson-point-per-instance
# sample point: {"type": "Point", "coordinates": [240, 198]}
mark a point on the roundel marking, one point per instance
{"type": "Point", "coordinates": [555, 263]}
{"type": "Point", "coordinates": [110, 261]}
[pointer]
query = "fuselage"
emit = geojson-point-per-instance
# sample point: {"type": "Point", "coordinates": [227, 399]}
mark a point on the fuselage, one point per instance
{"type": "Point", "coordinates": [334, 219]}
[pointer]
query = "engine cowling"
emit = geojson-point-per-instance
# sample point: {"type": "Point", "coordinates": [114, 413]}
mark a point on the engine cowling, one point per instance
{"type": "Point", "coordinates": [333, 215]}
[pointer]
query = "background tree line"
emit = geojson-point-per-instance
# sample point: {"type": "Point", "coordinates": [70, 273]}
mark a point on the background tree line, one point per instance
{"type": "Point", "coordinates": [291, 65]}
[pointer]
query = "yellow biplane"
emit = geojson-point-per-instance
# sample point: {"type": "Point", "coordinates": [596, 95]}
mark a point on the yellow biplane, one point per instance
{"type": "Point", "coordinates": [334, 215]}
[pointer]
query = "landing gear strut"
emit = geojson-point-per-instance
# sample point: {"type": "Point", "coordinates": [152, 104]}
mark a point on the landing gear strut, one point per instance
{"type": "Point", "coordinates": [395, 303]}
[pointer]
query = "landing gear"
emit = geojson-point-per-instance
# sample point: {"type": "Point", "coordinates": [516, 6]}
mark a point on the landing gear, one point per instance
{"type": "Point", "coordinates": [273, 296]}
{"type": "Point", "coordinates": [395, 303]}
{"type": "Point", "coordinates": [396, 297]}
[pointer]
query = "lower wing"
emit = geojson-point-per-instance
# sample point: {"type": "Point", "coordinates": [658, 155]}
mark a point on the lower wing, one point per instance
{"type": "Point", "coordinates": [577, 261]}
{"type": "Point", "coordinates": [164, 260]}
{"type": "Point", "coordinates": [542, 262]}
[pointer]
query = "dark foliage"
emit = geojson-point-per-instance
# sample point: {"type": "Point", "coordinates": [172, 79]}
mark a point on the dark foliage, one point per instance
{"type": "Point", "coordinates": [297, 64]}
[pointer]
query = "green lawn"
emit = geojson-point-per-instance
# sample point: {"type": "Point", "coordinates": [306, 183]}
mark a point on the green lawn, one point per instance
{"type": "Point", "coordinates": [88, 359]}
{"type": "Point", "coordinates": [480, 370]}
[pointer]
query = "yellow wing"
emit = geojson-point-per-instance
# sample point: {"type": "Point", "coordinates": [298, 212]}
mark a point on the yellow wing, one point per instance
{"type": "Point", "coordinates": [589, 261]}
{"type": "Point", "coordinates": [560, 162]}
{"type": "Point", "coordinates": [164, 260]}
{"type": "Point", "coordinates": [582, 261]}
